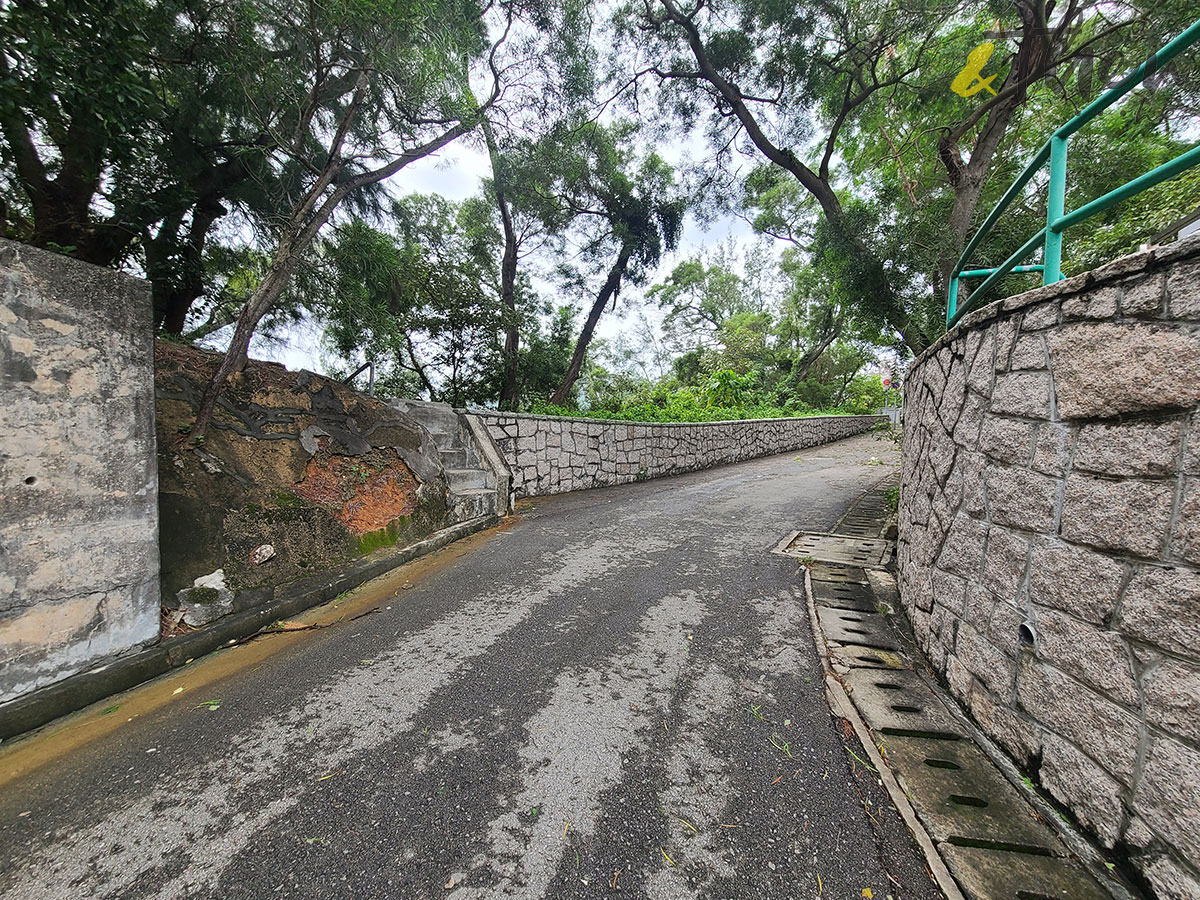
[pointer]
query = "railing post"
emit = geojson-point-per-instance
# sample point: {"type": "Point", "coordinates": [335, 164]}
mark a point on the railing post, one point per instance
{"type": "Point", "coordinates": [1055, 206]}
{"type": "Point", "coordinates": [952, 303]}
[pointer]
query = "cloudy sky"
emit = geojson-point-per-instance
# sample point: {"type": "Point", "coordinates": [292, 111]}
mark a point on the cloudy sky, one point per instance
{"type": "Point", "coordinates": [455, 173]}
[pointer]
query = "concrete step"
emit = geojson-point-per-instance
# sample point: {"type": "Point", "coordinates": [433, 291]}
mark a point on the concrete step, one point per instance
{"type": "Point", "coordinates": [466, 479]}
{"type": "Point", "coordinates": [434, 416]}
{"type": "Point", "coordinates": [463, 457]}
{"type": "Point", "coordinates": [446, 440]}
{"type": "Point", "coordinates": [474, 502]}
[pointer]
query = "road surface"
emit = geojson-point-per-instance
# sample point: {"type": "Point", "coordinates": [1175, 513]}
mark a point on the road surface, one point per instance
{"type": "Point", "coordinates": [615, 695]}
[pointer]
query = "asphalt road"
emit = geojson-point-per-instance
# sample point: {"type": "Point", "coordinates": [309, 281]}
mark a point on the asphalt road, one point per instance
{"type": "Point", "coordinates": [618, 688]}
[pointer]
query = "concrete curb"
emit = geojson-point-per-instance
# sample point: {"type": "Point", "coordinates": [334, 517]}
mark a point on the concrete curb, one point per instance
{"type": "Point", "coordinates": [34, 710]}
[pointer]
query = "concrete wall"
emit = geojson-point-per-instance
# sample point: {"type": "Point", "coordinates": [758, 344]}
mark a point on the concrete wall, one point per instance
{"type": "Point", "coordinates": [78, 483]}
{"type": "Point", "coordinates": [553, 455]}
{"type": "Point", "coordinates": [1052, 481]}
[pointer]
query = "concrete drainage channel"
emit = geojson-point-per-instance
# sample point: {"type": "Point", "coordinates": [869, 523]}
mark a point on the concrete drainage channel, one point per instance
{"type": "Point", "coordinates": [982, 836]}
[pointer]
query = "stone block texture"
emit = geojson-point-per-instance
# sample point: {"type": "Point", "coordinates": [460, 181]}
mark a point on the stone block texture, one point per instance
{"type": "Point", "coordinates": [1049, 526]}
{"type": "Point", "coordinates": [554, 455]}
{"type": "Point", "coordinates": [79, 576]}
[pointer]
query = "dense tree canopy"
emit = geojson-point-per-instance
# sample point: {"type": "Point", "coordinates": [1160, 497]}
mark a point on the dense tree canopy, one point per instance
{"type": "Point", "coordinates": [240, 155]}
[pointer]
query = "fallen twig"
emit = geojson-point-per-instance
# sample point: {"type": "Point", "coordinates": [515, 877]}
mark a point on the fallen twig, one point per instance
{"type": "Point", "coordinates": [293, 627]}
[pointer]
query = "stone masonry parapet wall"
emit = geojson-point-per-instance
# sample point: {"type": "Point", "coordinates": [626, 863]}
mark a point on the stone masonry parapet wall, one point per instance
{"type": "Point", "coordinates": [554, 454]}
{"type": "Point", "coordinates": [1049, 550]}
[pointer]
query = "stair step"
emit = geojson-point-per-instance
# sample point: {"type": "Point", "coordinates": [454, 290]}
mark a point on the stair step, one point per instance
{"type": "Point", "coordinates": [475, 502]}
{"type": "Point", "coordinates": [446, 440]}
{"type": "Point", "coordinates": [465, 479]}
{"type": "Point", "coordinates": [459, 458]}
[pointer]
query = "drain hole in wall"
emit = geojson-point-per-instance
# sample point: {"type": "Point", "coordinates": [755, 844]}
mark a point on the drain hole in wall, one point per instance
{"type": "Point", "coordinates": [942, 764]}
{"type": "Point", "coordinates": [31, 480]}
{"type": "Point", "coordinates": [857, 631]}
{"type": "Point", "coordinates": [845, 618]}
{"type": "Point", "coordinates": [978, 802]}
{"type": "Point", "coordinates": [888, 686]}
{"type": "Point", "coordinates": [900, 707]}
{"type": "Point", "coordinates": [1033, 895]}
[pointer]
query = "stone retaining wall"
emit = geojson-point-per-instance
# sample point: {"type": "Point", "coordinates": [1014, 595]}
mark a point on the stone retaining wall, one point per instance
{"type": "Point", "coordinates": [78, 482]}
{"type": "Point", "coordinates": [553, 455]}
{"type": "Point", "coordinates": [1050, 543]}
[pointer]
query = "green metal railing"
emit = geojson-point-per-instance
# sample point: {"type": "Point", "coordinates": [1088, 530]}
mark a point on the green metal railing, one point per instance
{"type": "Point", "coordinates": [1057, 219]}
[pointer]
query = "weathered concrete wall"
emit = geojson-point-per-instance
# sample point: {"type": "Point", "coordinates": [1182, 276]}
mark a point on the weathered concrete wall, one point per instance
{"type": "Point", "coordinates": [553, 455]}
{"type": "Point", "coordinates": [1052, 481]}
{"type": "Point", "coordinates": [78, 482]}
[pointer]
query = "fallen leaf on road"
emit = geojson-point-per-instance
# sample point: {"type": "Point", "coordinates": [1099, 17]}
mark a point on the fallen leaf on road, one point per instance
{"type": "Point", "coordinates": [868, 893]}
{"type": "Point", "coordinates": [667, 858]}
{"type": "Point", "coordinates": [777, 780]}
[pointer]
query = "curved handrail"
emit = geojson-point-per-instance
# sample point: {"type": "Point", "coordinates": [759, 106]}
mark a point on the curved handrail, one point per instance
{"type": "Point", "coordinates": [1058, 220]}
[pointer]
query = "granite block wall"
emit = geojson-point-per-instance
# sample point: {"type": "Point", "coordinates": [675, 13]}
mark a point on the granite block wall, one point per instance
{"type": "Point", "coordinates": [553, 455]}
{"type": "Point", "coordinates": [1049, 549]}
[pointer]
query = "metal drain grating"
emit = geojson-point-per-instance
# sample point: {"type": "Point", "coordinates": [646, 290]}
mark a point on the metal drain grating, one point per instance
{"type": "Point", "coordinates": [855, 551]}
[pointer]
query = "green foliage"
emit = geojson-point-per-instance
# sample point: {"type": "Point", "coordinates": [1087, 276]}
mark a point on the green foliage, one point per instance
{"type": "Point", "coordinates": [726, 388]}
{"type": "Point", "coordinates": [727, 398]}
{"type": "Point", "coordinates": [416, 303]}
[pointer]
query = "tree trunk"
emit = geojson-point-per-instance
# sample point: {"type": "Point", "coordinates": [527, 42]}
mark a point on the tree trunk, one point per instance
{"type": "Point", "coordinates": [868, 274]}
{"type": "Point", "coordinates": [508, 277]}
{"type": "Point", "coordinates": [800, 370]}
{"type": "Point", "coordinates": [611, 285]}
{"type": "Point", "coordinates": [264, 297]}
{"type": "Point", "coordinates": [306, 219]}
{"type": "Point", "coordinates": [176, 288]}
{"type": "Point", "coordinates": [1033, 60]}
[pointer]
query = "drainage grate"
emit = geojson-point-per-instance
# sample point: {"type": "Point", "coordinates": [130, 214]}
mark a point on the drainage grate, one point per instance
{"type": "Point", "coordinates": [855, 551]}
{"type": "Point", "coordinates": [993, 843]}
{"type": "Point", "coordinates": [988, 873]}
{"type": "Point", "coordinates": [831, 572]}
{"type": "Point", "coordinates": [846, 626]}
{"type": "Point", "coordinates": [913, 709]}
{"type": "Point", "coordinates": [844, 595]}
